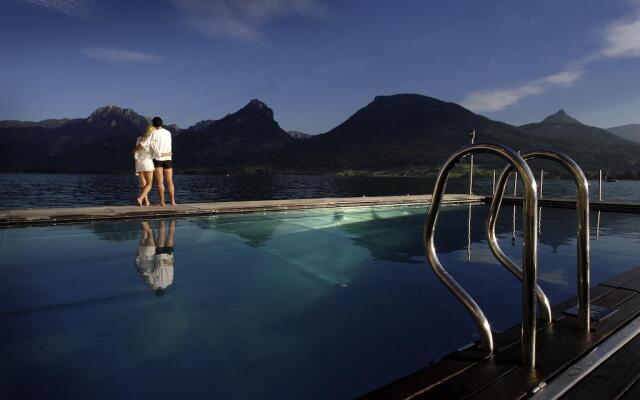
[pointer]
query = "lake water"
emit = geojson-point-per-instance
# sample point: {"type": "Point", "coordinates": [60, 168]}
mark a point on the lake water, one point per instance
{"type": "Point", "coordinates": [78, 190]}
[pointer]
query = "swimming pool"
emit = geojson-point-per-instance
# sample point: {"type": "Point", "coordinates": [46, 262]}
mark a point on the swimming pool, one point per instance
{"type": "Point", "coordinates": [309, 304]}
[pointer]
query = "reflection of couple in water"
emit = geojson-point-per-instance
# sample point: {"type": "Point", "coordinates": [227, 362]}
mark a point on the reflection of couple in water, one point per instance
{"type": "Point", "coordinates": [154, 261]}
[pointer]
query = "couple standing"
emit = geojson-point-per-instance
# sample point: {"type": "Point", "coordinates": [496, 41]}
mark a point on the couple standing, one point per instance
{"type": "Point", "coordinates": [153, 159]}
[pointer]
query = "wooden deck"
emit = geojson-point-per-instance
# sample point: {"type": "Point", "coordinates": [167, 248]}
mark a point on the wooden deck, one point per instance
{"type": "Point", "coordinates": [466, 374]}
{"type": "Point", "coordinates": [613, 206]}
{"type": "Point", "coordinates": [48, 216]}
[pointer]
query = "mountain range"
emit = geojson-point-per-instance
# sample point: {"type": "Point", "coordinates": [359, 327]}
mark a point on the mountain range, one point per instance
{"type": "Point", "coordinates": [392, 133]}
{"type": "Point", "coordinates": [629, 132]}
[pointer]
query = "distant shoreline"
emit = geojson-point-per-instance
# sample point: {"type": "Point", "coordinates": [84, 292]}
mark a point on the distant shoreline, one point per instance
{"type": "Point", "coordinates": [426, 173]}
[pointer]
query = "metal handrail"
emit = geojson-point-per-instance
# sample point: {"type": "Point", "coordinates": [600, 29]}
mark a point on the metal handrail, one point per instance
{"type": "Point", "coordinates": [582, 207]}
{"type": "Point", "coordinates": [530, 248]}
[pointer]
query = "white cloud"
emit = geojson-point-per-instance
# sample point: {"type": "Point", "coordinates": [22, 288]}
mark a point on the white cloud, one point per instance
{"type": "Point", "coordinates": [74, 8]}
{"type": "Point", "coordinates": [119, 56]}
{"type": "Point", "coordinates": [622, 39]}
{"type": "Point", "coordinates": [243, 19]}
{"type": "Point", "coordinates": [499, 99]}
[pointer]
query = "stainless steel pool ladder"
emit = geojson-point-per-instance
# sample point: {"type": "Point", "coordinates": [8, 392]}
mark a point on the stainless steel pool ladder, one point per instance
{"type": "Point", "coordinates": [529, 256]}
{"type": "Point", "coordinates": [582, 207]}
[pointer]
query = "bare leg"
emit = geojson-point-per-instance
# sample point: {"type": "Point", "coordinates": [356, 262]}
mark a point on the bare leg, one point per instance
{"type": "Point", "coordinates": [160, 183]}
{"type": "Point", "coordinates": [148, 178]}
{"type": "Point", "coordinates": [172, 232]}
{"type": "Point", "coordinates": [168, 176]}
{"type": "Point", "coordinates": [160, 240]}
{"type": "Point", "coordinates": [141, 184]}
{"type": "Point", "coordinates": [147, 235]}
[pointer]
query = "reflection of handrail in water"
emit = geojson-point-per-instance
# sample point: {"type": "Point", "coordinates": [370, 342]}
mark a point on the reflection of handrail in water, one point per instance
{"type": "Point", "coordinates": [513, 218]}
{"type": "Point", "coordinates": [582, 208]}
{"type": "Point", "coordinates": [530, 230]}
{"type": "Point", "coordinates": [545, 305]}
{"type": "Point", "coordinates": [469, 235]}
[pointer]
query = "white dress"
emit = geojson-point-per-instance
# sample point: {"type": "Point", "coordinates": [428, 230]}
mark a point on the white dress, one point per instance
{"type": "Point", "coordinates": [144, 160]}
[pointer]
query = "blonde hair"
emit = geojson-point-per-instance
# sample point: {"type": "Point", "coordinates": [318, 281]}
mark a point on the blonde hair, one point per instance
{"type": "Point", "coordinates": [148, 131]}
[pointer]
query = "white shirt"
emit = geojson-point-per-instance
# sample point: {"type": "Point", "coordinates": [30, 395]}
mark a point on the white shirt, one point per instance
{"type": "Point", "coordinates": [162, 273]}
{"type": "Point", "coordinates": [145, 151]}
{"type": "Point", "coordinates": [160, 143]}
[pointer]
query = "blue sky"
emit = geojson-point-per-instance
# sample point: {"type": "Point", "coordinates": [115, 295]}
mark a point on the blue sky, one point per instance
{"type": "Point", "coordinates": [315, 62]}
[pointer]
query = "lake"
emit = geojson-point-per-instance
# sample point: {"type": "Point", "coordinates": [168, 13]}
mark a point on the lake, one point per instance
{"type": "Point", "coordinates": [79, 190]}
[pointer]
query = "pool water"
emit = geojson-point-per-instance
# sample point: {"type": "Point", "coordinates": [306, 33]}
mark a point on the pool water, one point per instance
{"type": "Point", "coordinates": [310, 304]}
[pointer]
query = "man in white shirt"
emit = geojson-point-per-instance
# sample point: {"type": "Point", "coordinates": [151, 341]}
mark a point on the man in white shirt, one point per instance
{"type": "Point", "coordinates": [161, 150]}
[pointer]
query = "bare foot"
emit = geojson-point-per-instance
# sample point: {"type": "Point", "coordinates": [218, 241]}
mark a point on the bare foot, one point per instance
{"type": "Point", "coordinates": [161, 205]}
{"type": "Point", "coordinates": [139, 202]}
{"type": "Point", "coordinates": [173, 203]}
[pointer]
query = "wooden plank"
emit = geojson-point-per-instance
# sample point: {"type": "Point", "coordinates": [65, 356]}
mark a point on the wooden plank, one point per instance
{"type": "Point", "coordinates": [596, 293]}
{"type": "Point", "coordinates": [522, 380]}
{"type": "Point", "coordinates": [444, 369]}
{"type": "Point", "coordinates": [621, 279]}
{"type": "Point", "coordinates": [633, 393]}
{"type": "Point", "coordinates": [563, 351]}
{"type": "Point", "coordinates": [627, 310]}
{"type": "Point", "coordinates": [496, 368]}
{"type": "Point", "coordinates": [612, 206]}
{"type": "Point", "coordinates": [426, 378]}
{"type": "Point", "coordinates": [614, 298]}
{"type": "Point", "coordinates": [614, 377]}
{"type": "Point", "coordinates": [633, 284]}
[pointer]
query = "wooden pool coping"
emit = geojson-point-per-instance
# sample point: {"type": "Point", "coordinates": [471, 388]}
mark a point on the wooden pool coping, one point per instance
{"type": "Point", "coordinates": [53, 216]}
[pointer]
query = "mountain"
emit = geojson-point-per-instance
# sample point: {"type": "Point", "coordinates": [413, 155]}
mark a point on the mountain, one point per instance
{"type": "Point", "coordinates": [299, 135]}
{"type": "Point", "coordinates": [99, 143]}
{"type": "Point", "coordinates": [561, 118]}
{"type": "Point", "coordinates": [102, 142]}
{"type": "Point", "coordinates": [400, 131]}
{"type": "Point", "coordinates": [593, 148]}
{"type": "Point", "coordinates": [45, 123]}
{"type": "Point", "coordinates": [392, 133]}
{"type": "Point", "coordinates": [249, 136]}
{"type": "Point", "coordinates": [629, 132]}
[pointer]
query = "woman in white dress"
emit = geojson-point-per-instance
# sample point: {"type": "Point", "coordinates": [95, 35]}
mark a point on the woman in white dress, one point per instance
{"type": "Point", "coordinates": [144, 165]}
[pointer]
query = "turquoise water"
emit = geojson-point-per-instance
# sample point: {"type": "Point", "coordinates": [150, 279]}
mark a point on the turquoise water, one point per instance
{"type": "Point", "coordinates": [313, 304]}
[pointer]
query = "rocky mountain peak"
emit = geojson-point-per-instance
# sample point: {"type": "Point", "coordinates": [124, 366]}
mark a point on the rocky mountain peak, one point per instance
{"type": "Point", "coordinates": [256, 107]}
{"type": "Point", "coordinates": [112, 116]}
{"type": "Point", "coordinates": [299, 135]}
{"type": "Point", "coordinates": [561, 117]}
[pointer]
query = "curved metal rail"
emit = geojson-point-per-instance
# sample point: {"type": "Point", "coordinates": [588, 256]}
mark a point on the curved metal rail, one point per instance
{"type": "Point", "coordinates": [582, 207]}
{"type": "Point", "coordinates": [530, 248]}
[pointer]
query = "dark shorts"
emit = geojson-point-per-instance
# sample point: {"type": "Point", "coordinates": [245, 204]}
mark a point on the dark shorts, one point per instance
{"type": "Point", "coordinates": [166, 164]}
{"type": "Point", "coordinates": [164, 250]}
